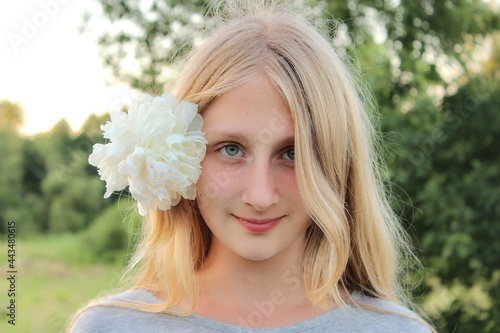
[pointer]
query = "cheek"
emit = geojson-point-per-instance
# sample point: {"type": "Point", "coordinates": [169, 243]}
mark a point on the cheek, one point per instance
{"type": "Point", "coordinates": [216, 180]}
{"type": "Point", "coordinates": [290, 194]}
{"type": "Point", "coordinates": [288, 185]}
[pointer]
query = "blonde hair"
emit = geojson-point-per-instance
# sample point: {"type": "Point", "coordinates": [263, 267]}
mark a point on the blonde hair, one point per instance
{"type": "Point", "coordinates": [355, 233]}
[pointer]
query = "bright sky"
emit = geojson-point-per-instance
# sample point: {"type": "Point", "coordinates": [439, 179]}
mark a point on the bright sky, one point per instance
{"type": "Point", "coordinates": [50, 68]}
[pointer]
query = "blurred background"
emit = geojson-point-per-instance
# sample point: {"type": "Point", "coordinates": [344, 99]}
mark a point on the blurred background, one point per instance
{"type": "Point", "coordinates": [433, 67]}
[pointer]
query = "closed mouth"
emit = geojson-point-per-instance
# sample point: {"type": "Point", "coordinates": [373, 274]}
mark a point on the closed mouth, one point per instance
{"type": "Point", "coordinates": [258, 226]}
{"type": "Point", "coordinates": [258, 221]}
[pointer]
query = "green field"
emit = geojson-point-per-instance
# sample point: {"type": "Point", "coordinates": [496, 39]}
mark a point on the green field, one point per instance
{"type": "Point", "coordinates": [54, 278]}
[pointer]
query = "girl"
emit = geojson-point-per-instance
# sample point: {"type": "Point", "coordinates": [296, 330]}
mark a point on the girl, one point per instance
{"type": "Point", "coordinates": [273, 242]}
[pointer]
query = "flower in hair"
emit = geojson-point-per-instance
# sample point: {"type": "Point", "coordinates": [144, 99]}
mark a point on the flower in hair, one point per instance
{"type": "Point", "coordinates": [155, 149]}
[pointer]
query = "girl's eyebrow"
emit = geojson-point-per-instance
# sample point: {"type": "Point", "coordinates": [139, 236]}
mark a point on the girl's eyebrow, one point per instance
{"type": "Point", "coordinates": [227, 135]}
{"type": "Point", "coordinates": [239, 137]}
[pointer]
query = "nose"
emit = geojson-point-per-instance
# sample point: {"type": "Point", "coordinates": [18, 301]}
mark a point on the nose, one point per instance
{"type": "Point", "coordinates": [260, 190]}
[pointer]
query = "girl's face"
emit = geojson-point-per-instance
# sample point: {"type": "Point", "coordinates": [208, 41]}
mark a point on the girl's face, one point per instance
{"type": "Point", "coordinates": [247, 191]}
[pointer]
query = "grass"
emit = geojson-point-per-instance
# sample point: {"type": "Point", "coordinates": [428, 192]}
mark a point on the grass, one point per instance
{"type": "Point", "coordinates": [55, 277]}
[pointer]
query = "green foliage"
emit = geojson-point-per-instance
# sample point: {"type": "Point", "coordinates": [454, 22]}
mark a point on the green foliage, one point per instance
{"type": "Point", "coordinates": [46, 183]}
{"type": "Point", "coordinates": [11, 167]}
{"type": "Point", "coordinates": [464, 194]}
{"type": "Point", "coordinates": [11, 114]}
{"type": "Point", "coordinates": [74, 197]}
{"type": "Point", "coordinates": [112, 232]}
{"type": "Point", "coordinates": [34, 167]}
{"type": "Point", "coordinates": [158, 32]}
{"type": "Point", "coordinates": [445, 166]}
{"type": "Point", "coordinates": [11, 172]}
{"type": "Point", "coordinates": [416, 32]}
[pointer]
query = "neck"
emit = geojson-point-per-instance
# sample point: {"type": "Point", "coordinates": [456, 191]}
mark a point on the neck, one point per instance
{"type": "Point", "coordinates": [243, 279]}
{"type": "Point", "coordinates": [243, 292]}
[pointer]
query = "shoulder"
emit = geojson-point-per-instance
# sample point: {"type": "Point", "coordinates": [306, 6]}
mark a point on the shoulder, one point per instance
{"type": "Point", "coordinates": [378, 315]}
{"type": "Point", "coordinates": [100, 317]}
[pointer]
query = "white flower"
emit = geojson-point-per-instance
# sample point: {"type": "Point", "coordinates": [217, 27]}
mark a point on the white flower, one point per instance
{"type": "Point", "coordinates": [156, 149]}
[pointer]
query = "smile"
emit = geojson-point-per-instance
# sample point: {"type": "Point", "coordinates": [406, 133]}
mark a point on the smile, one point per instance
{"type": "Point", "coordinates": [258, 225]}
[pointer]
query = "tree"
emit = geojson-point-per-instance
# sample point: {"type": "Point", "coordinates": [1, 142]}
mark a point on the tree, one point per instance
{"type": "Point", "coordinates": [71, 188]}
{"type": "Point", "coordinates": [11, 174]}
{"type": "Point", "coordinates": [157, 32]}
{"type": "Point", "coordinates": [11, 114]}
{"type": "Point", "coordinates": [419, 36]}
{"type": "Point", "coordinates": [462, 196]}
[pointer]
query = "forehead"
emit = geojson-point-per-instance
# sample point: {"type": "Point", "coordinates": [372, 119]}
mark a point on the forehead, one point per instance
{"type": "Point", "coordinates": [249, 109]}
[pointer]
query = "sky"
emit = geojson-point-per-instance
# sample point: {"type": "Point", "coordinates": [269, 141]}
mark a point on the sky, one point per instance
{"type": "Point", "coordinates": [51, 69]}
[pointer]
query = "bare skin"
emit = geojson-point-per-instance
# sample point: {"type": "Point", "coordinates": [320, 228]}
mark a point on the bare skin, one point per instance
{"type": "Point", "coordinates": [254, 294]}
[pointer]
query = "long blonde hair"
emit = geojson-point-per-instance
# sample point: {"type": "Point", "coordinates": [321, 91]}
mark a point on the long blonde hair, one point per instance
{"type": "Point", "coordinates": [356, 241]}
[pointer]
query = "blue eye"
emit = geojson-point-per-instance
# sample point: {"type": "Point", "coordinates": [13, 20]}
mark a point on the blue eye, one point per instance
{"type": "Point", "coordinates": [231, 150]}
{"type": "Point", "coordinates": [289, 154]}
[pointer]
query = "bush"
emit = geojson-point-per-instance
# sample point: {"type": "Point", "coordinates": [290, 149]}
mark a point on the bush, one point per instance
{"type": "Point", "coordinates": [113, 233]}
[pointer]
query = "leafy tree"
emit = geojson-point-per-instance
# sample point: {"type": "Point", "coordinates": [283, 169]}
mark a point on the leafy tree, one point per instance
{"type": "Point", "coordinates": [445, 169]}
{"type": "Point", "coordinates": [11, 174]}
{"type": "Point", "coordinates": [158, 32]}
{"type": "Point", "coordinates": [113, 232]}
{"type": "Point", "coordinates": [72, 190]}
{"type": "Point", "coordinates": [34, 167]}
{"type": "Point", "coordinates": [462, 197]}
{"type": "Point", "coordinates": [11, 114]}
{"type": "Point", "coordinates": [74, 198]}
{"type": "Point", "coordinates": [419, 36]}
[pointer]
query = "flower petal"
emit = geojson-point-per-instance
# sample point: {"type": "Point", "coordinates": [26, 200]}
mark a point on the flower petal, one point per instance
{"type": "Point", "coordinates": [155, 148]}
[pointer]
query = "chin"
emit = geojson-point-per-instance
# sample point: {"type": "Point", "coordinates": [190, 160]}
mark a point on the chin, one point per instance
{"type": "Point", "coordinates": [254, 254]}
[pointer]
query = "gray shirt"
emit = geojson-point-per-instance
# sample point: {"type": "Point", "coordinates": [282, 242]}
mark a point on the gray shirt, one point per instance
{"type": "Point", "coordinates": [341, 319]}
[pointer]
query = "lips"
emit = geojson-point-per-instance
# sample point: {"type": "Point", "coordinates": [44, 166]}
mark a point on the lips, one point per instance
{"type": "Point", "coordinates": [258, 225]}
